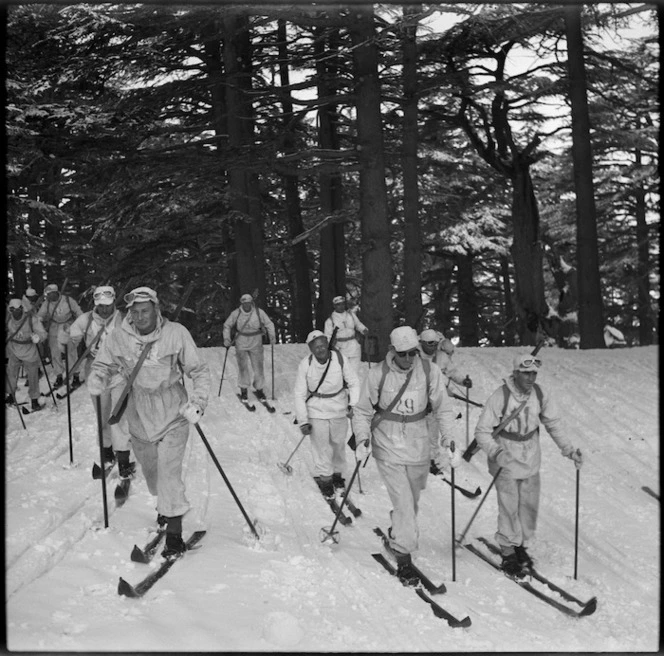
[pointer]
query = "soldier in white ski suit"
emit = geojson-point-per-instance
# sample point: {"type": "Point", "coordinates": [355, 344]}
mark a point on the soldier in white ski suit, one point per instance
{"type": "Point", "coordinates": [24, 333]}
{"type": "Point", "coordinates": [93, 328]}
{"type": "Point", "coordinates": [322, 411]}
{"type": "Point", "coordinates": [345, 339]}
{"type": "Point", "coordinates": [399, 439]}
{"type": "Point", "coordinates": [249, 324]}
{"type": "Point", "coordinates": [57, 313]}
{"type": "Point", "coordinates": [159, 409]}
{"type": "Point", "coordinates": [438, 350]}
{"type": "Point", "coordinates": [516, 452]}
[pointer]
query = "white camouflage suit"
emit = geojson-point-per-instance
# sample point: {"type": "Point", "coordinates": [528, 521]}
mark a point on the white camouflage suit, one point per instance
{"type": "Point", "coordinates": [57, 317]}
{"type": "Point", "coordinates": [86, 328]}
{"type": "Point", "coordinates": [518, 485]}
{"type": "Point", "coordinates": [249, 343]}
{"type": "Point", "coordinates": [158, 432]}
{"type": "Point", "coordinates": [402, 449]}
{"type": "Point", "coordinates": [345, 340]}
{"type": "Point", "coordinates": [326, 410]}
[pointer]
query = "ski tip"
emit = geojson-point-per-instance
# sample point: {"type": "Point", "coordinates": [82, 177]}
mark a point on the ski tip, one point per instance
{"type": "Point", "coordinates": [589, 608]}
{"type": "Point", "coordinates": [460, 624]}
{"type": "Point", "coordinates": [138, 556]}
{"type": "Point", "coordinates": [126, 589]}
{"type": "Point", "coordinates": [96, 471]}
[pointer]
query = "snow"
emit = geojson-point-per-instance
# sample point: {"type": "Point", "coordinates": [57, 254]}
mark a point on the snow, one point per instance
{"type": "Point", "coordinates": [291, 592]}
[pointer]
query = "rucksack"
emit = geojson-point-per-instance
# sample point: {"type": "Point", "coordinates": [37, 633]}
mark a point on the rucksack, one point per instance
{"type": "Point", "coordinates": [426, 365]}
{"type": "Point", "coordinates": [506, 395]}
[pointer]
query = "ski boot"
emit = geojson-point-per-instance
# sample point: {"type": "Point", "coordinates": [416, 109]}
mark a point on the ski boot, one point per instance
{"type": "Point", "coordinates": [175, 546]}
{"type": "Point", "coordinates": [405, 570]}
{"type": "Point", "coordinates": [338, 481]}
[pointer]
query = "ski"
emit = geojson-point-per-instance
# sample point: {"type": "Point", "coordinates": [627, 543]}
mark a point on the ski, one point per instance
{"type": "Point", "coordinates": [246, 404]}
{"type": "Point", "coordinates": [72, 388]}
{"type": "Point", "coordinates": [334, 507]}
{"type": "Point", "coordinates": [96, 470]}
{"type": "Point", "coordinates": [122, 492]}
{"type": "Point", "coordinates": [128, 590]}
{"type": "Point", "coordinates": [27, 411]}
{"type": "Point", "coordinates": [145, 554]}
{"type": "Point", "coordinates": [650, 491]}
{"type": "Point", "coordinates": [355, 511]}
{"type": "Point", "coordinates": [430, 586]}
{"type": "Point", "coordinates": [542, 579]}
{"type": "Point", "coordinates": [466, 493]}
{"type": "Point", "coordinates": [437, 609]}
{"type": "Point", "coordinates": [588, 609]}
{"type": "Point", "coordinates": [264, 402]}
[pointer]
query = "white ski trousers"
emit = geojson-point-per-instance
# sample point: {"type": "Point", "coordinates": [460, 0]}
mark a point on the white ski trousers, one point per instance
{"type": "Point", "coordinates": [328, 445]}
{"type": "Point", "coordinates": [116, 435]}
{"type": "Point", "coordinates": [244, 375]}
{"type": "Point", "coordinates": [518, 505]}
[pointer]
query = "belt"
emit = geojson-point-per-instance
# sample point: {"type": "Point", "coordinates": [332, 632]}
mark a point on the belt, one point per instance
{"type": "Point", "coordinates": [256, 332]}
{"type": "Point", "coordinates": [517, 437]}
{"type": "Point", "coordinates": [404, 419]}
{"type": "Point", "coordinates": [344, 339]}
{"type": "Point", "coordinates": [326, 396]}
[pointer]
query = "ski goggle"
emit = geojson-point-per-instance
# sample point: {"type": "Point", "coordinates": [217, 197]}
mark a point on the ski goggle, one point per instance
{"type": "Point", "coordinates": [530, 362]}
{"type": "Point", "coordinates": [407, 354]}
{"type": "Point", "coordinates": [103, 292]}
{"type": "Point", "coordinates": [140, 295]}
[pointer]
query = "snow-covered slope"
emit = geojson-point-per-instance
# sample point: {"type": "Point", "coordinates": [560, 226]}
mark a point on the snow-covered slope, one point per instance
{"type": "Point", "coordinates": [291, 592]}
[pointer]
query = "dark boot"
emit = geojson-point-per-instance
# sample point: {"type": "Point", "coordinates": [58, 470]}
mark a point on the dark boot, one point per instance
{"type": "Point", "coordinates": [109, 456]}
{"type": "Point", "coordinates": [175, 545]}
{"type": "Point", "coordinates": [405, 570]}
{"type": "Point", "coordinates": [35, 405]}
{"type": "Point", "coordinates": [76, 381]}
{"type": "Point", "coordinates": [325, 485]}
{"type": "Point", "coordinates": [125, 468]}
{"type": "Point", "coordinates": [338, 481]}
{"type": "Point", "coordinates": [259, 394]}
{"type": "Point", "coordinates": [58, 381]}
{"type": "Point", "coordinates": [243, 393]}
{"type": "Point", "coordinates": [511, 565]}
{"type": "Point", "coordinates": [523, 557]}
{"type": "Point", "coordinates": [9, 399]}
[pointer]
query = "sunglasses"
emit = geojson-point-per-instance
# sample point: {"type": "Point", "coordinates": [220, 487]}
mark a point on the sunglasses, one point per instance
{"type": "Point", "coordinates": [433, 343]}
{"type": "Point", "coordinates": [140, 296]}
{"type": "Point", "coordinates": [407, 354]}
{"type": "Point", "coordinates": [529, 362]}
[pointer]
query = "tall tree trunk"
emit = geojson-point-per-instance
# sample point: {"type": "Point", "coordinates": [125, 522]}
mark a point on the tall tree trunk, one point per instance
{"type": "Point", "coordinates": [377, 311]}
{"type": "Point", "coordinates": [508, 305]}
{"type": "Point", "coordinates": [527, 256]}
{"type": "Point", "coordinates": [643, 310]}
{"type": "Point", "coordinates": [591, 312]}
{"type": "Point", "coordinates": [412, 261]}
{"type": "Point", "coordinates": [299, 272]}
{"type": "Point", "coordinates": [468, 311]}
{"type": "Point", "coordinates": [243, 185]}
{"type": "Point", "coordinates": [332, 269]}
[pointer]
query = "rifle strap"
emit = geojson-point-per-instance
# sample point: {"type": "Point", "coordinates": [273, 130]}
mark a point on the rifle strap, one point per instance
{"type": "Point", "coordinates": [118, 410]}
{"type": "Point", "coordinates": [377, 418]}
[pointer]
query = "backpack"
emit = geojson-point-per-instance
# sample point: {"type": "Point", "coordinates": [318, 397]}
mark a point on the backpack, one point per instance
{"type": "Point", "coordinates": [506, 395]}
{"type": "Point", "coordinates": [426, 365]}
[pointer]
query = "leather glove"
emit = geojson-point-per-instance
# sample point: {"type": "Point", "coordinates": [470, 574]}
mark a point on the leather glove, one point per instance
{"type": "Point", "coordinates": [455, 457]}
{"type": "Point", "coordinates": [35, 338]}
{"type": "Point", "coordinates": [467, 382]}
{"type": "Point", "coordinates": [305, 429]}
{"type": "Point", "coordinates": [227, 343]}
{"type": "Point", "coordinates": [95, 384]}
{"type": "Point", "coordinates": [363, 449]}
{"type": "Point", "coordinates": [577, 457]}
{"type": "Point", "coordinates": [192, 412]}
{"type": "Point", "coordinates": [349, 412]}
{"type": "Point", "coordinates": [503, 458]}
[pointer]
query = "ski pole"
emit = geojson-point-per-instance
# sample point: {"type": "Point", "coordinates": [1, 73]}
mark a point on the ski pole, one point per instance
{"type": "Point", "coordinates": [101, 459]}
{"type": "Point", "coordinates": [13, 390]}
{"type": "Point", "coordinates": [330, 533]}
{"type": "Point", "coordinates": [71, 444]}
{"type": "Point", "coordinates": [453, 531]}
{"type": "Point", "coordinates": [467, 415]}
{"type": "Point", "coordinates": [223, 369]}
{"type": "Point", "coordinates": [50, 389]}
{"type": "Point", "coordinates": [472, 519]}
{"type": "Point", "coordinates": [228, 483]}
{"type": "Point", "coordinates": [576, 527]}
{"type": "Point", "coordinates": [284, 466]}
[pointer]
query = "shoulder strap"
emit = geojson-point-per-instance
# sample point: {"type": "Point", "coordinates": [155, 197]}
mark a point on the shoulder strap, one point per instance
{"type": "Point", "coordinates": [379, 412]}
{"type": "Point", "coordinates": [506, 395]}
{"type": "Point", "coordinates": [322, 378]}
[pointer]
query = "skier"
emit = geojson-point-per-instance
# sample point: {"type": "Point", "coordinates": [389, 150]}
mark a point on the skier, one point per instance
{"type": "Point", "coordinates": [24, 332]}
{"type": "Point", "coordinates": [325, 392]}
{"type": "Point", "coordinates": [159, 409]}
{"type": "Point", "coordinates": [244, 328]}
{"type": "Point", "coordinates": [93, 328]}
{"type": "Point", "coordinates": [516, 454]}
{"type": "Point", "coordinates": [57, 313]}
{"type": "Point", "coordinates": [347, 324]}
{"type": "Point", "coordinates": [29, 299]}
{"type": "Point", "coordinates": [390, 421]}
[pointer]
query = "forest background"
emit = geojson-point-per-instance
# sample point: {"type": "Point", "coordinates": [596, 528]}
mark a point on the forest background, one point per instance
{"type": "Point", "coordinates": [487, 170]}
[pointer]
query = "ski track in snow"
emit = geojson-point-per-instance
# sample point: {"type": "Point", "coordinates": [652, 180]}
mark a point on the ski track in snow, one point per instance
{"type": "Point", "coordinates": [289, 591]}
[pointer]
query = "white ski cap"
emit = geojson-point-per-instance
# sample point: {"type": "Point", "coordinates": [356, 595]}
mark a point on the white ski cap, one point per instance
{"type": "Point", "coordinates": [15, 303]}
{"type": "Point", "coordinates": [429, 335]}
{"type": "Point", "coordinates": [50, 288]}
{"type": "Point", "coordinates": [338, 299]}
{"type": "Point", "coordinates": [404, 338]}
{"type": "Point", "coordinates": [30, 292]}
{"type": "Point", "coordinates": [315, 334]}
{"type": "Point", "coordinates": [527, 362]}
{"type": "Point", "coordinates": [246, 298]}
